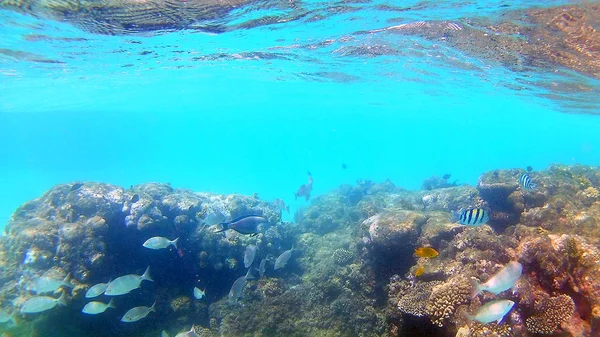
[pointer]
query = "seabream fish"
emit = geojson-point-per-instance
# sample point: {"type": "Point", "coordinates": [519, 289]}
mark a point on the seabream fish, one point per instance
{"type": "Point", "coordinates": [427, 252]}
{"type": "Point", "coordinates": [246, 224]}
{"type": "Point", "coordinates": [94, 308]}
{"type": "Point", "coordinates": [47, 284]}
{"type": "Point", "coordinates": [283, 259]}
{"type": "Point", "coordinates": [5, 317]}
{"type": "Point", "coordinates": [501, 281]}
{"type": "Point", "coordinates": [42, 303]}
{"type": "Point", "coordinates": [237, 289]}
{"type": "Point", "coordinates": [96, 290]}
{"type": "Point", "coordinates": [199, 294]}
{"type": "Point", "coordinates": [190, 333]}
{"type": "Point", "coordinates": [526, 183]}
{"type": "Point", "coordinates": [470, 217]}
{"type": "Point", "coordinates": [249, 255]}
{"type": "Point", "coordinates": [124, 284]}
{"type": "Point", "coordinates": [137, 313]}
{"type": "Point", "coordinates": [262, 267]}
{"type": "Point", "coordinates": [159, 242]}
{"type": "Point", "coordinates": [492, 311]}
{"type": "Point", "coordinates": [304, 190]}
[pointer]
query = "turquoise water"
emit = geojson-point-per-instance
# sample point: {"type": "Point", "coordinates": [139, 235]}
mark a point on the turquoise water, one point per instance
{"type": "Point", "coordinates": [251, 110]}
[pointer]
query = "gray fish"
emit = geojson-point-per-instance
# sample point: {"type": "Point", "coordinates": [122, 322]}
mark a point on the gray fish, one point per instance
{"type": "Point", "coordinates": [237, 289]}
{"type": "Point", "coordinates": [492, 311]}
{"type": "Point", "coordinates": [5, 317]}
{"type": "Point", "coordinates": [262, 267]}
{"type": "Point", "coordinates": [42, 303]}
{"type": "Point", "coordinates": [137, 313]}
{"type": "Point", "coordinates": [75, 187]}
{"type": "Point", "coordinates": [164, 334]}
{"type": "Point", "coordinates": [159, 242]}
{"type": "Point", "coordinates": [124, 284]}
{"type": "Point", "coordinates": [47, 284]}
{"type": "Point", "coordinates": [246, 224]}
{"type": "Point", "coordinates": [94, 308]}
{"type": "Point", "coordinates": [283, 259]}
{"type": "Point", "coordinates": [501, 281]}
{"type": "Point", "coordinates": [249, 255]}
{"type": "Point", "coordinates": [190, 333]}
{"type": "Point", "coordinates": [198, 294]}
{"type": "Point", "coordinates": [96, 290]}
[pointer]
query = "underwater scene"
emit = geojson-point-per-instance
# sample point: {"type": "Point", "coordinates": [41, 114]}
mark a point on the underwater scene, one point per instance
{"type": "Point", "coordinates": [299, 168]}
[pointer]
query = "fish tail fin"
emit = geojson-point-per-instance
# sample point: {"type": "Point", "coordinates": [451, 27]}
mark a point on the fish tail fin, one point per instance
{"type": "Point", "coordinates": [467, 317]}
{"type": "Point", "coordinates": [224, 227]}
{"type": "Point", "coordinates": [111, 303]}
{"type": "Point", "coordinates": [67, 281]}
{"type": "Point", "coordinates": [476, 288]}
{"type": "Point", "coordinates": [14, 319]}
{"type": "Point", "coordinates": [174, 243]}
{"type": "Point", "coordinates": [146, 275]}
{"type": "Point", "coordinates": [153, 307]}
{"type": "Point", "coordinates": [61, 300]}
{"type": "Point", "coordinates": [249, 275]}
{"type": "Point", "coordinates": [455, 217]}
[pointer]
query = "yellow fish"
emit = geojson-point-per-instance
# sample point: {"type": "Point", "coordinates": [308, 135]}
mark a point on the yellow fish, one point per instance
{"type": "Point", "coordinates": [420, 270]}
{"type": "Point", "coordinates": [426, 252]}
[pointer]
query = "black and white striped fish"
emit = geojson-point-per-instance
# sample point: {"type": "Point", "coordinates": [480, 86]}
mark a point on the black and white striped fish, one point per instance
{"type": "Point", "coordinates": [526, 183]}
{"type": "Point", "coordinates": [470, 217]}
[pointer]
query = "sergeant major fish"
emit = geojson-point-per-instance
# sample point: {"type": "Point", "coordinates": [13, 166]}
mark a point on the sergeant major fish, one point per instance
{"type": "Point", "coordinates": [245, 224]}
{"type": "Point", "coordinates": [137, 313]}
{"type": "Point", "coordinates": [283, 259]}
{"type": "Point", "coordinates": [249, 255]}
{"type": "Point", "coordinates": [96, 290]}
{"type": "Point", "coordinates": [501, 281]}
{"type": "Point", "coordinates": [124, 284]}
{"type": "Point", "coordinates": [159, 242]}
{"type": "Point", "coordinates": [470, 217]}
{"type": "Point", "coordinates": [94, 308]}
{"type": "Point", "coordinates": [526, 183]}
{"type": "Point", "coordinates": [42, 303]}
{"type": "Point", "coordinates": [47, 284]}
{"type": "Point", "coordinates": [491, 311]}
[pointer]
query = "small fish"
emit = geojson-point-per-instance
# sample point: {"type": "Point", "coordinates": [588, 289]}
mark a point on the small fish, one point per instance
{"type": "Point", "coordinates": [420, 270]}
{"type": "Point", "coordinates": [96, 290]}
{"type": "Point", "coordinates": [280, 204]}
{"type": "Point", "coordinates": [526, 183]}
{"type": "Point", "coordinates": [492, 311]}
{"type": "Point", "coordinates": [137, 313]}
{"type": "Point", "coordinates": [262, 267]}
{"type": "Point", "coordinates": [446, 176]}
{"type": "Point", "coordinates": [75, 187]}
{"type": "Point", "coordinates": [190, 333]}
{"type": "Point", "coordinates": [249, 255]}
{"type": "Point", "coordinates": [124, 284]}
{"type": "Point", "coordinates": [245, 224]}
{"type": "Point", "coordinates": [501, 281]}
{"type": "Point", "coordinates": [199, 294]}
{"type": "Point", "coordinates": [42, 303]}
{"type": "Point", "coordinates": [237, 289]}
{"type": "Point", "coordinates": [47, 284]}
{"type": "Point", "coordinates": [5, 317]}
{"type": "Point", "coordinates": [94, 308]}
{"type": "Point", "coordinates": [470, 217]}
{"type": "Point", "coordinates": [135, 198]}
{"type": "Point", "coordinates": [164, 334]}
{"type": "Point", "coordinates": [304, 190]}
{"type": "Point", "coordinates": [283, 259]}
{"type": "Point", "coordinates": [159, 242]}
{"type": "Point", "coordinates": [344, 166]}
{"type": "Point", "coordinates": [529, 169]}
{"type": "Point", "coordinates": [427, 252]}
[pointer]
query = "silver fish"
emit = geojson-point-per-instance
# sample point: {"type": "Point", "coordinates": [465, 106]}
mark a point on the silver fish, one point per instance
{"type": "Point", "coordinates": [94, 308]}
{"type": "Point", "coordinates": [159, 242]}
{"type": "Point", "coordinates": [249, 255]}
{"type": "Point", "coordinates": [164, 334]}
{"type": "Point", "coordinates": [237, 289]}
{"type": "Point", "coordinates": [283, 259]}
{"type": "Point", "coordinates": [501, 281]}
{"type": "Point", "coordinates": [42, 303]}
{"type": "Point", "coordinates": [137, 313]}
{"type": "Point", "coordinates": [190, 333]}
{"type": "Point", "coordinates": [124, 284]}
{"type": "Point", "coordinates": [198, 294]}
{"type": "Point", "coordinates": [47, 284]}
{"type": "Point", "coordinates": [5, 317]}
{"type": "Point", "coordinates": [262, 267]}
{"type": "Point", "coordinates": [96, 290]}
{"type": "Point", "coordinates": [492, 311]}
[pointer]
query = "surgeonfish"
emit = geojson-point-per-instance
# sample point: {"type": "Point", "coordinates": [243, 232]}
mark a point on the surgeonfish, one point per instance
{"type": "Point", "coordinates": [237, 289]}
{"type": "Point", "coordinates": [96, 290]}
{"type": "Point", "coordinates": [42, 303]}
{"type": "Point", "coordinates": [249, 255]}
{"type": "Point", "coordinates": [94, 308]}
{"type": "Point", "coordinates": [159, 242]}
{"type": "Point", "coordinates": [526, 183]}
{"type": "Point", "coordinates": [283, 259]}
{"type": "Point", "coordinates": [262, 267]}
{"type": "Point", "coordinates": [492, 311]}
{"type": "Point", "coordinates": [427, 252]}
{"type": "Point", "coordinates": [199, 294]}
{"type": "Point", "coordinates": [47, 284]}
{"type": "Point", "coordinates": [124, 284]}
{"type": "Point", "coordinates": [304, 190]}
{"type": "Point", "coordinates": [246, 224]}
{"type": "Point", "coordinates": [137, 313]}
{"type": "Point", "coordinates": [5, 317]}
{"type": "Point", "coordinates": [501, 281]}
{"type": "Point", "coordinates": [470, 217]}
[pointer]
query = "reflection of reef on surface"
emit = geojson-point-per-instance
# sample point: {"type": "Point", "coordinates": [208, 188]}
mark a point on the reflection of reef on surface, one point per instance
{"type": "Point", "coordinates": [352, 271]}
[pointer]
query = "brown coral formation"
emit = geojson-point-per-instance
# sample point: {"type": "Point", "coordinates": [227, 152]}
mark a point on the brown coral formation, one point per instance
{"type": "Point", "coordinates": [551, 313]}
{"type": "Point", "coordinates": [446, 298]}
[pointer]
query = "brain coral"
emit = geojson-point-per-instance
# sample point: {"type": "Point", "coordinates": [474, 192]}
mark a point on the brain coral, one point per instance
{"type": "Point", "coordinates": [445, 298]}
{"type": "Point", "coordinates": [552, 311]}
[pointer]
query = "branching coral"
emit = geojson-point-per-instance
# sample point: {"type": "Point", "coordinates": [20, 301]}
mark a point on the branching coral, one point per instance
{"type": "Point", "coordinates": [552, 311]}
{"type": "Point", "coordinates": [415, 299]}
{"type": "Point", "coordinates": [490, 330]}
{"type": "Point", "coordinates": [445, 298]}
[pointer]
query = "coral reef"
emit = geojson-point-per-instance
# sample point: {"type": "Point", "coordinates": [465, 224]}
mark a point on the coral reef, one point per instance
{"type": "Point", "coordinates": [445, 299]}
{"type": "Point", "coordinates": [551, 313]}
